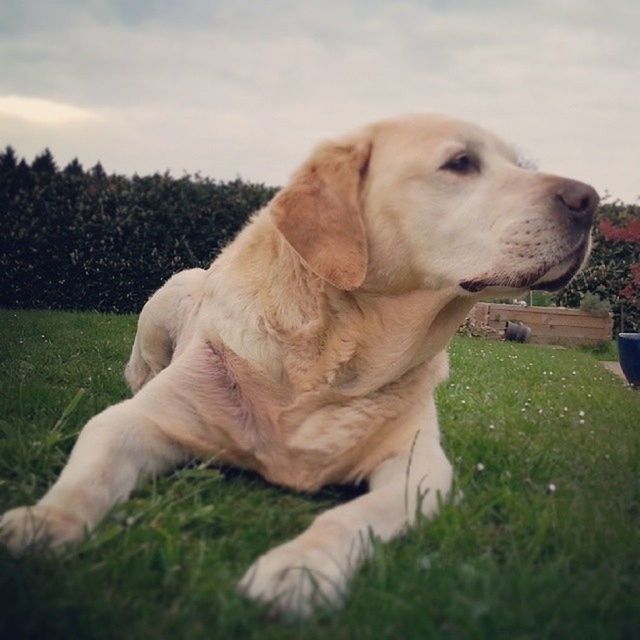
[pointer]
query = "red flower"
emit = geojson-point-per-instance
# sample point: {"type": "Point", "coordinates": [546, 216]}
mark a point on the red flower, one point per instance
{"type": "Point", "coordinates": [629, 233]}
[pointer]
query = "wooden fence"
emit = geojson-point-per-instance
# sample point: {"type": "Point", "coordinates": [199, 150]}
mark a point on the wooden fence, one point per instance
{"type": "Point", "coordinates": [549, 325]}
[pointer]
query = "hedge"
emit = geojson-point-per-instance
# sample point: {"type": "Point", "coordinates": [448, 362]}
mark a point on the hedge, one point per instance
{"type": "Point", "coordinates": [76, 240]}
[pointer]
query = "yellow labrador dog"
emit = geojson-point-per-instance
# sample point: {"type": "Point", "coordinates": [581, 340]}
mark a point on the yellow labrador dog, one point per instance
{"type": "Point", "coordinates": [310, 350]}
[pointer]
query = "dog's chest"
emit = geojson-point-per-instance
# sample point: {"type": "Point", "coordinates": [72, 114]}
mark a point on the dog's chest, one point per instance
{"type": "Point", "coordinates": [298, 439]}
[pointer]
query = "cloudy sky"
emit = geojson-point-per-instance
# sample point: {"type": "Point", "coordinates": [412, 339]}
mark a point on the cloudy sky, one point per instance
{"type": "Point", "coordinates": [232, 88]}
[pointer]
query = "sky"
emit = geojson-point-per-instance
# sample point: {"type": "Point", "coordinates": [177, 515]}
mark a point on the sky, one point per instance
{"type": "Point", "coordinates": [237, 88]}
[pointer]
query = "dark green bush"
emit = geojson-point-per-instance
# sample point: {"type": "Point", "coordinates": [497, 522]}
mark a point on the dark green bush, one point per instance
{"type": "Point", "coordinates": [609, 274]}
{"type": "Point", "coordinates": [593, 304]}
{"type": "Point", "coordinates": [542, 299]}
{"type": "Point", "coordinates": [85, 240]}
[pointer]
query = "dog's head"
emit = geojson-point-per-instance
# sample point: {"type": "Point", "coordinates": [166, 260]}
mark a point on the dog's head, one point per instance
{"type": "Point", "coordinates": [429, 202]}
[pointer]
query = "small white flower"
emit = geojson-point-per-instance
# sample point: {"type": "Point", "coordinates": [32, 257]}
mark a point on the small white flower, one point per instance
{"type": "Point", "coordinates": [573, 373]}
{"type": "Point", "coordinates": [480, 467]}
{"type": "Point", "coordinates": [566, 409]}
{"type": "Point", "coordinates": [581, 420]}
{"type": "Point", "coordinates": [551, 488]}
{"type": "Point", "coordinates": [581, 414]}
{"type": "Point", "coordinates": [492, 427]}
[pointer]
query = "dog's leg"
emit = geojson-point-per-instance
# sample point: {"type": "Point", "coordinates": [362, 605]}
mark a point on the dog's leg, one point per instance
{"type": "Point", "coordinates": [115, 448]}
{"type": "Point", "coordinates": [160, 325]}
{"type": "Point", "coordinates": [313, 570]}
{"type": "Point", "coordinates": [151, 352]}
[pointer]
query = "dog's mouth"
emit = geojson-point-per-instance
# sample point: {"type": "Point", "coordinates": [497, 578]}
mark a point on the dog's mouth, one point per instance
{"type": "Point", "coordinates": [550, 276]}
{"type": "Point", "coordinates": [561, 275]}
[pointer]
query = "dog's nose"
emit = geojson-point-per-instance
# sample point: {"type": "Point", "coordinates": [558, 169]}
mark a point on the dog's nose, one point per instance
{"type": "Point", "coordinates": [578, 200]}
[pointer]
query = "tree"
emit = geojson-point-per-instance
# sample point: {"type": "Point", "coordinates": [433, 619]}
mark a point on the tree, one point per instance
{"type": "Point", "coordinates": [44, 163]}
{"type": "Point", "coordinates": [8, 159]}
{"type": "Point", "coordinates": [98, 172]}
{"type": "Point", "coordinates": [74, 168]}
{"type": "Point", "coordinates": [23, 176]}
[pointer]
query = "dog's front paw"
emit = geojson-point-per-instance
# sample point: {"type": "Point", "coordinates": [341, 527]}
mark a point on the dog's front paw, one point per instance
{"type": "Point", "coordinates": [297, 578]}
{"type": "Point", "coordinates": [39, 527]}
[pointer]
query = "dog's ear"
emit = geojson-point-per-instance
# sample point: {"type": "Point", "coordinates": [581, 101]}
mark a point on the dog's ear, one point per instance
{"type": "Point", "coordinates": [319, 212]}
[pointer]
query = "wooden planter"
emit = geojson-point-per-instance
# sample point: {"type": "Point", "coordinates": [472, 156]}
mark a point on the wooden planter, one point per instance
{"type": "Point", "coordinates": [549, 325]}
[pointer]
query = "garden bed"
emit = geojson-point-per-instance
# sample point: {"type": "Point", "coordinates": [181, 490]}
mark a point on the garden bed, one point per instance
{"type": "Point", "coordinates": [549, 325]}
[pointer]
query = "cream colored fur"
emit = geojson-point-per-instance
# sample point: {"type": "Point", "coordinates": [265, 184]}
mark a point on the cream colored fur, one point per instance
{"type": "Point", "coordinates": [310, 350]}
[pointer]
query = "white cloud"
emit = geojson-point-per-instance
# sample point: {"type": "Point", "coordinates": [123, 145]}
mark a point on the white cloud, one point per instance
{"type": "Point", "coordinates": [45, 112]}
{"type": "Point", "coordinates": [231, 88]}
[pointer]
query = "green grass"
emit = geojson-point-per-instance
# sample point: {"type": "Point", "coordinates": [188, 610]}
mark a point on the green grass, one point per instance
{"type": "Point", "coordinates": [604, 351]}
{"type": "Point", "coordinates": [512, 561]}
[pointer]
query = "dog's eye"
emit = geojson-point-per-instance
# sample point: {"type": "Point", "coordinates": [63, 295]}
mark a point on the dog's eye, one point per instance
{"type": "Point", "coordinates": [463, 163]}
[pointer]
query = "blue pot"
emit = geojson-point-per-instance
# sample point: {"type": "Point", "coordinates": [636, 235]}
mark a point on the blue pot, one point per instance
{"type": "Point", "coordinates": [629, 353]}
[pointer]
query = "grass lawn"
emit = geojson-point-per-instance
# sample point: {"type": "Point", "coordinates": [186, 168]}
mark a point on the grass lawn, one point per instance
{"type": "Point", "coordinates": [514, 560]}
{"type": "Point", "coordinates": [604, 351]}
